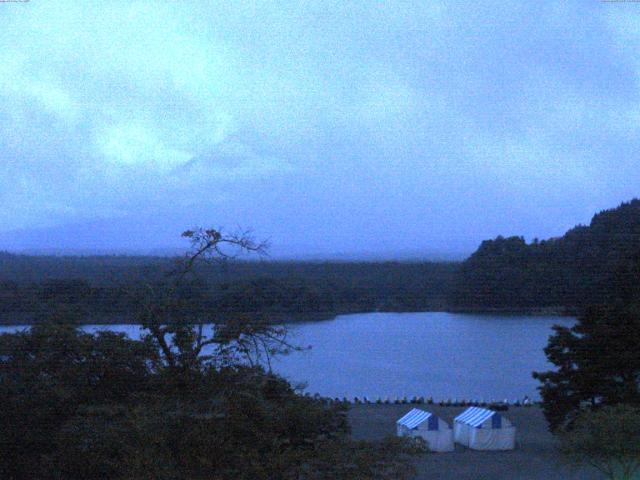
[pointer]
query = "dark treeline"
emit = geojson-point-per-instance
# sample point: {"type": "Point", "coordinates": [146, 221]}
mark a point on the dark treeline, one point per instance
{"type": "Point", "coordinates": [105, 288]}
{"type": "Point", "coordinates": [595, 264]}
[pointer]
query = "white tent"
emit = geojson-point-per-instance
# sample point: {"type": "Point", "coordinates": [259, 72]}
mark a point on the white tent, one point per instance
{"type": "Point", "coordinates": [482, 429]}
{"type": "Point", "coordinates": [436, 432]}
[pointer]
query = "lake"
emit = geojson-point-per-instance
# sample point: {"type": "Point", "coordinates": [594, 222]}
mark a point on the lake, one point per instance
{"type": "Point", "coordinates": [429, 354]}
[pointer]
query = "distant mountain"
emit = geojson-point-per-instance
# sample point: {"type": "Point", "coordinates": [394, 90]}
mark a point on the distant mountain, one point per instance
{"type": "Point", "coordinates": [158, 236]}
{"type": "Point", "coordinates": [594, 264]}
{"type": "Point", "coordinates": [152, 236]}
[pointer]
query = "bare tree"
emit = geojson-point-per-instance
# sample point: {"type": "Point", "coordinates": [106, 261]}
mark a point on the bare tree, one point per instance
{"type": "Point", "coordinates": [182, 336]}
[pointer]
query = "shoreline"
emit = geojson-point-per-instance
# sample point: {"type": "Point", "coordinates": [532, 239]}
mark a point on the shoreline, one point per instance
{"type": "Point", "coordinates": [311, 317]}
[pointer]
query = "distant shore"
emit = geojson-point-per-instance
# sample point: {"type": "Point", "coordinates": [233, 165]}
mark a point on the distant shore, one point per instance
{"type": "Point", "coordinates": [26, 319]}
{"type": "Point", "coordinates": [553, 311]}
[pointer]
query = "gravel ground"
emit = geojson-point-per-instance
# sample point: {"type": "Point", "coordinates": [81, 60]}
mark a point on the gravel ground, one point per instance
{"type": "Point", "coordinates": [536, 456]}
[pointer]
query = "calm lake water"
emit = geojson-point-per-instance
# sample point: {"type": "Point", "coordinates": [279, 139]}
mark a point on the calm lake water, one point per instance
{"type": "Point", "coordinates": [430, 354]}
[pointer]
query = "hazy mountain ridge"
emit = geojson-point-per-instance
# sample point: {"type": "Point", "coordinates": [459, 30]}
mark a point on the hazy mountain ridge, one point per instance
{"type": "Point", "coordinates": [161, 238]}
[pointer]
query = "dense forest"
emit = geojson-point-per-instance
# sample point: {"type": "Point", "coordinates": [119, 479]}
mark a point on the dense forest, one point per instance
{"type": "Point", "coordinates": [595, 264]}
{"type": "Point", "coordinates": [106, 289]}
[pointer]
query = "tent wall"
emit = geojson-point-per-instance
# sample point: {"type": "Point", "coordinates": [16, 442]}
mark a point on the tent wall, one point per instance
{"type": "Point", "coordinates": [495, 432]}
{"type": "Point", "coordinates": [439, 435]}
{"type": "Point", "coordinates": [461, 433]}
{"type": "Point", "coordinates": [493, 438]}
{"type": "Point", "coordinates": [438, 440]}
{"type": "Point", "coordinates": [435, 431]}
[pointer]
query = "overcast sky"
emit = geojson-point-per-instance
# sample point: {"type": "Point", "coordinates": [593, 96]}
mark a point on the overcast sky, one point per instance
{"type": "Point", "coordinates": [327, 127]}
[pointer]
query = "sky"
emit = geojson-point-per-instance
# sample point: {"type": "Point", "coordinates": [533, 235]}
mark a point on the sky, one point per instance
{"type": "Point", "coordinates": [329, 128]}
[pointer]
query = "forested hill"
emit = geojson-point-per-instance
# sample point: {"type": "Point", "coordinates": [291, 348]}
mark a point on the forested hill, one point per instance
{"type": "Point", "coordinates": [599, 263]}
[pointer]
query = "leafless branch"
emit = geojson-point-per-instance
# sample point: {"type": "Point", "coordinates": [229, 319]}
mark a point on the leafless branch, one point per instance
{"type": "Point", "coordinates": [238, 339]}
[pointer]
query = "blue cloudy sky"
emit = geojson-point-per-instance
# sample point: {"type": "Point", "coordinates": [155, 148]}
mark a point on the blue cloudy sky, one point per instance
{"type": "Point", "coordinates": [328, 127]}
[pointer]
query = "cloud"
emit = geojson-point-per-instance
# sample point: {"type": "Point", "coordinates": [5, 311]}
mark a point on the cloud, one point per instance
{"type": "Point", "coordinates": [134, 144]}
{"type": "Point", "coordinates": [403, 112]}
{"type": "Point", "coordinates": [231, 160]}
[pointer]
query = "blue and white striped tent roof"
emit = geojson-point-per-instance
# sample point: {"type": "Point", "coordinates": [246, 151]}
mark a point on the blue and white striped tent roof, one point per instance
{"type": "Point", "coordinates": [476, 416]}
{"type": "Point", "coordinates": [414, 418]}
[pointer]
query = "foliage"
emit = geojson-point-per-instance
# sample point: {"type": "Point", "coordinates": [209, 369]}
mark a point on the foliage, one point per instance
{"type": "Point", "coordinates": [362, 460]}
{"type": "Point", "coordinates": [183, 403]}
{"type": "Point", "coordinates": [46, 374]}
{"type": "Point", "coordinates": [595, 264]}
{"type": "Point", "coordinates": [84, 406]}
{"type": "Point", "coordinates": [597, 363]}
{"type": "Point", "coordinates": [608, 439]}
{"type": "Point", "coordinates": [235, 424]}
